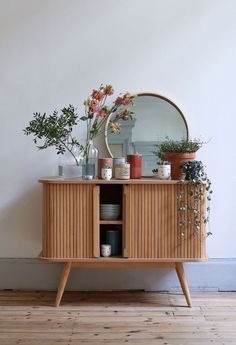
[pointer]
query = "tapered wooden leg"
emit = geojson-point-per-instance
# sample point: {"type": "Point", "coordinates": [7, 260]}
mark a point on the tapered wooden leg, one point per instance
{"type": "Point", "coordinates": [63, 281]}
{"type": "Point", "coordinates": [183, 282]}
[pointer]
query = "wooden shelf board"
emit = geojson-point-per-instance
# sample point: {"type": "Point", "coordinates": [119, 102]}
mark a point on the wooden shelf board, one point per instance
{"type": "Point", "coordinates": [111, 222]}
{"type": "Point", "coordinates": [144, 180]}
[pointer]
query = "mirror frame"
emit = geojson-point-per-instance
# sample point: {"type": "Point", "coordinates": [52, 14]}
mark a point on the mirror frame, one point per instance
{"type": "Point", "coordinates": [148, 94]}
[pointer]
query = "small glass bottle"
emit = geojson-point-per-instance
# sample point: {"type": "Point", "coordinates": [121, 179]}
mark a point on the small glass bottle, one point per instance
{"type": "Point", "coordinates": [90, 166]}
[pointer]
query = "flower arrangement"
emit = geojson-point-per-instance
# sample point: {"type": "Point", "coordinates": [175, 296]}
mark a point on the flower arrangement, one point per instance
{"type": "Point", "coordinates": [97, 111]}
{"type": "Point", "coordinates": [56, 129]}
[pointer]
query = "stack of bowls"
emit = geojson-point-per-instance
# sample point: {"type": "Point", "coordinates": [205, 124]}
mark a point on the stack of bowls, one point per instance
{"type": "Point", "coordinates": [109, 211]}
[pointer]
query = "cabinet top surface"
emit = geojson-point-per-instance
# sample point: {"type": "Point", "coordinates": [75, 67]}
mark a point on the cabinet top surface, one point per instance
{"type": "Point", "coordinates": [147, 180]}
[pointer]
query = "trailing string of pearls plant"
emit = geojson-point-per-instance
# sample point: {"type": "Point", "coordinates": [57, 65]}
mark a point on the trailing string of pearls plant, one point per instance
{"type": "Point", "coordinates": [191, 206]}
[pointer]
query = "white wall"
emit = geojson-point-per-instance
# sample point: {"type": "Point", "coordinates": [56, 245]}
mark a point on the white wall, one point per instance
{"type": "Point", "coordinates": [53, 52]}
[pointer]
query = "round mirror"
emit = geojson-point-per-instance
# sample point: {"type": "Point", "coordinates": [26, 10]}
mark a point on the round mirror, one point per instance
{"type": "Point", "coordinates": [156, 117]}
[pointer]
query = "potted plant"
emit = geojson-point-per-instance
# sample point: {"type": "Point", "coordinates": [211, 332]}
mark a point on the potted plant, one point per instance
{"type": "Point", "coordinates": [55, 130]}
{"type": "Point", "coordinates": [96, 115]}
{"type": "Point", "coordinates": [190, 205]}
{"type": "Point", "coordinates": [163, 170]}
{"type": "Point", "coordinates": [177, 152]}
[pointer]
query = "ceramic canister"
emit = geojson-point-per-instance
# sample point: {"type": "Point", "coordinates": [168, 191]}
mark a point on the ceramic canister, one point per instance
{"type": "Point", "coordinates": [117, 160]}
{"type": "Point", "coordinates": [122, 171]}
{"type": "Point", "coordinates": [113, 237]}
{"type": "Point", "coordinates": [135, 165]}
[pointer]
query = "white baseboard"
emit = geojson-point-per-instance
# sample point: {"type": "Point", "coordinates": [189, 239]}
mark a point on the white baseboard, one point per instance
{"type": "Point", "coordinates": [215, 274]}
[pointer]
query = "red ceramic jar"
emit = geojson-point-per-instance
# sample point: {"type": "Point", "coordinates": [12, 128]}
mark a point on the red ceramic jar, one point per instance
{"type": "Point", "coordinates": [135, 162]}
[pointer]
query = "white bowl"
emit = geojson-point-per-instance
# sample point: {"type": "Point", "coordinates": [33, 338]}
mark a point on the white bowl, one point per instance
{"type": "Point", "coordinates": [110, 213]}
{"type": "Point", "coordinates": [110, 217]}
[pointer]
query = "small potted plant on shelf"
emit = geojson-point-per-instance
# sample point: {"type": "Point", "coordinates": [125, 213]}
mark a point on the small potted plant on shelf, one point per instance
{"type": "Point", "coordinates": [55, 130]}
{"type": "Point", "coordinates": [163, 170]}
{"type": "Point", "coordinates": [190, 205]}
{"type": "Point", "coordinates": [177, 152]}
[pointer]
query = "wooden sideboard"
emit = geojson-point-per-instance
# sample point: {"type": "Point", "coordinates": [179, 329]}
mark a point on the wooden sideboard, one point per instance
{"type": "Point", "coordinates": [149, 224]}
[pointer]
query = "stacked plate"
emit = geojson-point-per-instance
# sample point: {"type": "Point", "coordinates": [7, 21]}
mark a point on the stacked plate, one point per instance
{"type": "Point", "coordinates": [109, 211]}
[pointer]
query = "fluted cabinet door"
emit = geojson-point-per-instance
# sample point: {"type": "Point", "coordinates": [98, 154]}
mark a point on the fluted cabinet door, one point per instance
{"type": "Point", "coordinates": [67, 221]}
{"type": "Point", "coordinates": [96, 225]}
{"type": "Point", "coordinates": [152, 224]}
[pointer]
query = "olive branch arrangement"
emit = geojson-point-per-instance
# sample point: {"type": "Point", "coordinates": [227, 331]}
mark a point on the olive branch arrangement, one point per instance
{"type": "Point", "coordinates": [55, 130]}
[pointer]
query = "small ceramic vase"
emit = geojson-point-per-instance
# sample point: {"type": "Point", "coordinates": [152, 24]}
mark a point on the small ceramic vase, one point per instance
{"type": "Point", "coordinates": [163, 171]}
{"type": "Point", "coordinates": [106, 173]}
{"type": "Point", "coordinates": [106, 250]}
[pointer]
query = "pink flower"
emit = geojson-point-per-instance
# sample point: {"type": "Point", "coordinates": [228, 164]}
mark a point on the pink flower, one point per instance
{"type": "Point", "coordinates": [93, 106]}
{"type": "Point", "coordinates": [119, 100]}
{"type": "Point", "coordinates": [97, 95]}
{"type": "Point", "coordinates": [126, 118]}
{"type": "Point", "coordinates": [127, 99]}
{"type": "Point", "coordinates": [108, 90]}
{"type": "Point", "coordinates": [115, 127]}
{"type": "Point", "coordinates": [125, 115]}
{"type": "Point", "coordinates": [102, 112]}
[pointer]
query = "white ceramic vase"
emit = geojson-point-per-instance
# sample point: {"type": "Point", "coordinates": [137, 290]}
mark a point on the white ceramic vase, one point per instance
{"type": "Point", "coordinates": [106, 173]}
{"type": "Point", "coordinates": [163, 171]}
{"type": "Point", "coordinates": [106, 250]}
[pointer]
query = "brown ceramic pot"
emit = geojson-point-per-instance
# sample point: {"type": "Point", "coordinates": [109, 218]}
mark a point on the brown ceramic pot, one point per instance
{"type": "Point", "coordinates": [176, 159]}
{"type": "Point", "coordinates": [102, 163]}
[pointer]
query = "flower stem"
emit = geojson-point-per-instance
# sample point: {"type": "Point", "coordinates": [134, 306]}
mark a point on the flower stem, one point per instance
{"type": "Point", "coordinates": [71, 152]}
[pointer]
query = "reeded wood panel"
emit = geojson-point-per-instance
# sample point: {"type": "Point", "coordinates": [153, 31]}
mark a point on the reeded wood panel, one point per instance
{"type": "Point", "coordinates": [152, 225]}
{"type": "Point", "coordinates": [67, 220]}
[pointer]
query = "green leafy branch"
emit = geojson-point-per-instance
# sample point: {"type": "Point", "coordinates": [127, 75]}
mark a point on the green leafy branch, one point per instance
{"type": "Point", "coordinates": [55, 130]}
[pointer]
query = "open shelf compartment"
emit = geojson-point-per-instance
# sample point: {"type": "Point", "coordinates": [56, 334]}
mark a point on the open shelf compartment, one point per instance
{"type": "Point", "coordinates": [111, 230]}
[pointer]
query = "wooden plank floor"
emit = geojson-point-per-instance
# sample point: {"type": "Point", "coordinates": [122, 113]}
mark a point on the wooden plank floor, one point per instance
{"type": "Point", "coordinates": [110, 318]}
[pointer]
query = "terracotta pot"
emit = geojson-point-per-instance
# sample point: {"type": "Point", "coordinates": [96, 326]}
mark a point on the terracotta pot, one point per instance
{"type": "Point", "coordinates": [176, 159]}
{"type": "Point", "coordinates": [102, 163]}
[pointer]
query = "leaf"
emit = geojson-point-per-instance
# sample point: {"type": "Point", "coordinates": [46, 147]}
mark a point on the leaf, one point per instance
{"type": "Point", "coordinates": [84, 118]}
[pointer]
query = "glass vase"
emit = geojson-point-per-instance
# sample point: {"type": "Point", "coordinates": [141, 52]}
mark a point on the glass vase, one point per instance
{"type": "Point", "coordinates": [70, 166]}
{"type": "Point", "coordinates": [90, 164]}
